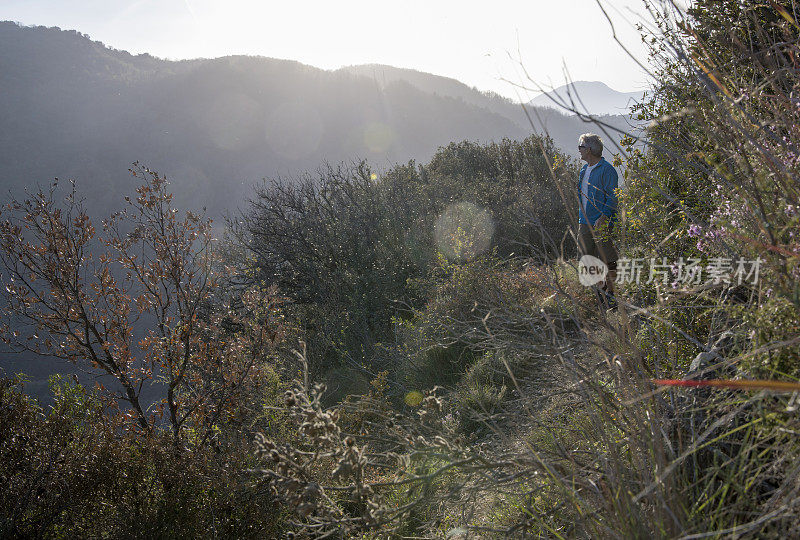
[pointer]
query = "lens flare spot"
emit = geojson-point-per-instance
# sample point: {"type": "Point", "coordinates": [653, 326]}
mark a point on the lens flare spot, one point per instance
{"type": "Point", "coordinates": [463, 231]}
{"type": "Point", "coordinates": [378, 137]}
{"type": "Point", "coordinates": [413, 398]}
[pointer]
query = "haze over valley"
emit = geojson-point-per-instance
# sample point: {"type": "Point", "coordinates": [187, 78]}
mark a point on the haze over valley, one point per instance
{"type": "Point", "coordinates": [73, 108]}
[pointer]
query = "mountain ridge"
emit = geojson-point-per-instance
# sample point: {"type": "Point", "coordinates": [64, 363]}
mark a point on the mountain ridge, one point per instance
{"type": "Point", "coordinates": [76, 108]}
{"type": "Point", "coordinates": [590, 97]}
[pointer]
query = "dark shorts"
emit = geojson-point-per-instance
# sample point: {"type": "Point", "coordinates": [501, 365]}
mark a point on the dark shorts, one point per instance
{"type": "Point", "coordinates": [598, 243]}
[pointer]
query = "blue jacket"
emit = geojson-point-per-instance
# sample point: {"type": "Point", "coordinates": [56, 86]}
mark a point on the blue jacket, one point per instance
{"type": "Point", "coordinates": [602, 199]}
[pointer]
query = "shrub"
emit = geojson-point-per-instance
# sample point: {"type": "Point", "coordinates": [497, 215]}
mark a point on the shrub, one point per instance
{"type": "Point", "coordinates": [353, 248]}
{"type": "Point", "coordinates": [72, 471]}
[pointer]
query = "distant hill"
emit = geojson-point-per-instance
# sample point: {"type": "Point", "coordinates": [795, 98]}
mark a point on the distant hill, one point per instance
{"type": "Point", "coordinates": [564, 128]}
{"type": "Point", "coordinates": [71, 107]}
{"type": "Point", "coordinates": [384, 75]}
{"type": "Point", "coordinates": [588, 97]}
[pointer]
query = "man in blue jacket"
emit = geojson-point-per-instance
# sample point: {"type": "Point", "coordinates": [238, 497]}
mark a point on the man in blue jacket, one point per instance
{"type": "Point", "coordinates": [597, 211]}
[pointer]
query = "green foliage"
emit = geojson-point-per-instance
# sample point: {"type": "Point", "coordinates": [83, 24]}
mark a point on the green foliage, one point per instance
{"type": "Point", "coordinates": [72, 472]}
{"type": "Point", "coordinates": [434, 365]}
{"type": "Point", "coordinates": [353, 250]}
{"type": "Point", "coordinates": [445, 338]}
{"type": "Point", "coordinates": [512, 180]}
{"type": "Point", "coordinates": [717, 180]}
{"type": "Point", "coordinates": [775, 321]}
{"type": "Point", "coordinates": [149, 311]}
{"type": "Point", "coordinates": [480, 393]}
{"type": "Point", "coordinates": [54, 463]}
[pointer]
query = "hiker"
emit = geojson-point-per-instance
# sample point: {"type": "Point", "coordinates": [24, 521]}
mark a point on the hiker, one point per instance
{"type": "Point", "coordinates": [597, 211]}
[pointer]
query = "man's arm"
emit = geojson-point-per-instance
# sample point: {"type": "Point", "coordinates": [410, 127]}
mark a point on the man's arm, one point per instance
{"type": "Point", "coordinates": [608, 205]}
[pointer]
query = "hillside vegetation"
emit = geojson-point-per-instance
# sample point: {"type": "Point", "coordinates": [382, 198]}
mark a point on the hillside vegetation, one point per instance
{"type": "Point", "coordinates": [409, 353]}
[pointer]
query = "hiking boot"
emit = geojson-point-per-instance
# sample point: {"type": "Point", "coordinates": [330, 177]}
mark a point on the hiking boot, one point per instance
{"type": "Point", "coordinates": [607, 300]}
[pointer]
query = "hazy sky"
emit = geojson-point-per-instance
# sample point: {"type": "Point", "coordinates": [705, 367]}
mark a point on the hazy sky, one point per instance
{"type": "Point", "coordinates": [475, 42]}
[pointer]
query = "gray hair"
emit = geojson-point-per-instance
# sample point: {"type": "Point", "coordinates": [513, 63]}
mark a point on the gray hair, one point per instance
{"type": "Point", "coordinates": [594, 142]}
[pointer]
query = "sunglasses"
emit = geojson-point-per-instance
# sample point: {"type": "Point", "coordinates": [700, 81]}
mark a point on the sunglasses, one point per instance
{"type": "Point", "coordinates": [581, 146]}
